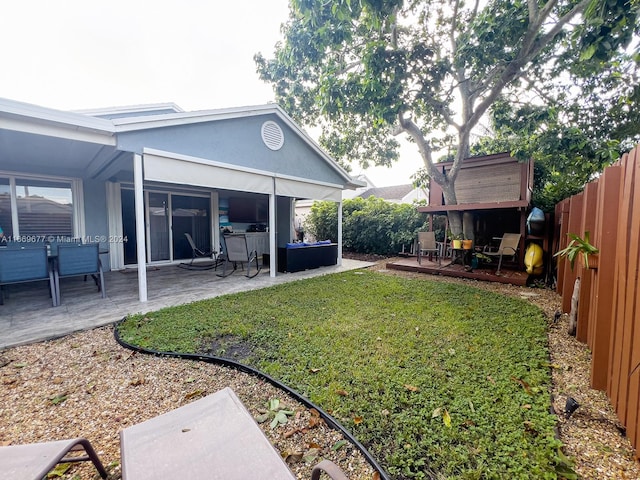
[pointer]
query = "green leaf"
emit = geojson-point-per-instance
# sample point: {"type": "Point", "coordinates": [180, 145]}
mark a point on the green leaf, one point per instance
{"type": "Point", "coordinates": [338, 445]}
{"type": "Point", "coordinates": [446, 418]}
{"type": "Point", "coordinates": [59, 470]}
{"type": "Point", "coordinates": [59, 398]}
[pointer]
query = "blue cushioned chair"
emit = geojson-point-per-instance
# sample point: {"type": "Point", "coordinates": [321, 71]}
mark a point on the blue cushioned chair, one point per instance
{"type": "Point", "coordinates": [26, 264]}
{"type": "Point", "coordinates": [75, 260]}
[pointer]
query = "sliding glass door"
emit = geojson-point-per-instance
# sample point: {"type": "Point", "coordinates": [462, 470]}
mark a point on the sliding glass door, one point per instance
{"type": "Point", "coordinates": [158, 218]}
{"type": "Point", "coordinates": [190, 215]}
{"type": "Point", "coordinates": [168, 216]}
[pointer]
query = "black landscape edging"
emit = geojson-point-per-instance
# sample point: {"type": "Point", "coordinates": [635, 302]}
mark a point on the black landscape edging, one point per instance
{"type": "Point", "coordinates": [332, 422]}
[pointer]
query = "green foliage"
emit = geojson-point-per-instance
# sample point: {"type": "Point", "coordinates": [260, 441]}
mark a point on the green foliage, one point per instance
{"type": "Point", "coordinates": [436, 380]}
{"type": "Point", "coordinates": [276, 412]}
{"type": "Point", "coordinates": [575, 135]}
{"type": "Point", "coordinates": [369, 225]}
{"type": "Point", "coordinates": [368, 70]}
{"type": "Point", "coordinates": [576, 247]}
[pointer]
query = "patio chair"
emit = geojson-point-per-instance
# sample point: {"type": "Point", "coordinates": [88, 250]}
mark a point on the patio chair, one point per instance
{"type": "Point", "coordinates": [213, 437]}
{"type": "Point", "coordinates": [26, 264]}
{"type": "Point", "coordinates": [74, 260]}
{"type": "Point", "coordinates": [33, 461]}
{"type": "Point", "coordinates": [236, 251]}
{"type": "Point", "coordinates": [508, 247]}
{"type": "Point", "coordinates": [427, 244]}
{"type": "Point", "coordinates": [197, 253]}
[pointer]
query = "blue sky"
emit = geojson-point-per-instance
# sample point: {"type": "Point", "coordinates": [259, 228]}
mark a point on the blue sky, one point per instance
{"type": "Point", "coordinates": [82, 54]}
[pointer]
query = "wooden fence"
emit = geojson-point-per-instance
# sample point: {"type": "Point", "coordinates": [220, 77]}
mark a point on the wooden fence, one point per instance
{"type": "Point", "coordinates": [609, 301]}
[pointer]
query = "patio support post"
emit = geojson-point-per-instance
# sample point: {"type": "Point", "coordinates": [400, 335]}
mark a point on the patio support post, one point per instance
{"type": "Point", "coordinates": [340, 232]}
{"type": "Point", "coordinates": [140, 228]}
{"type": "Point", "coordinates": [272, 233]}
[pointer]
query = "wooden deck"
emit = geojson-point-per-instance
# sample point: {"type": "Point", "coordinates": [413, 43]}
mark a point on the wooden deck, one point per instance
{"type": "Point", "coordinates": [507, 275]}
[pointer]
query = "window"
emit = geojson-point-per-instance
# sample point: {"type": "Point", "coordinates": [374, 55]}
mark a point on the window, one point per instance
{"type": "Point", "coordinates": [31, 206]}
{"type": "Point", "coordinates": [44, 207]}
{"type": "Point", "coordinates": [5, 207]}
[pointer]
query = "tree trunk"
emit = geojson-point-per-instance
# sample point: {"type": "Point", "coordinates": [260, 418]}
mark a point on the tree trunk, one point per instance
{"type": "Point", "coordinates": [468, 226]}
{"type": "Point", "coordinates": [455, 217]}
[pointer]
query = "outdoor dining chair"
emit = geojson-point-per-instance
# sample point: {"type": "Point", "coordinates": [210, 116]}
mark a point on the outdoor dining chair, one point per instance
{"type": "Point", "coordinates": [79, 260]}
{"type": "Point", "coordinates": [25, 264]}
{"type": "Point", "coordinates": [508, 247]}
{"type": "Point", "coordinates": [236, 251]}
{"type": "Point", "coordinates": [33, 461]}
{"type": "Point", "coordinates": [427, 245]}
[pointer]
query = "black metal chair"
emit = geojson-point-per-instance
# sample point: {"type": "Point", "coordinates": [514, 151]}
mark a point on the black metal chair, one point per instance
{"type": "Point", "coordinates": [26, 264]}
{"type": "Point", "coordinates": [236, 251]}
{"type": "Point", "coordinates": [198, 253]}
{"type": "Point", "coordinates": [75, 260]}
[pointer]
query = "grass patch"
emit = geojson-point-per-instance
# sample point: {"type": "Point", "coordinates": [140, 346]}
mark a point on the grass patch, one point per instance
{"type": "Point", "coordinates": [433, 378]}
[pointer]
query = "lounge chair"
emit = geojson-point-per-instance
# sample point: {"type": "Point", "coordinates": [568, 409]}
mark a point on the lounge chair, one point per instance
{"type": "Point", "coordinates": [198, 253]}
{"type": "Point", "coordinates": [33, 461]}
{"type": "Point", "coordinates": [427, 244]}
{"type": "Point", "coordinates": [213, 437]}
{"type": "Point", "coordinates": [236, 251]}
{"type": "Point", "coordinates": [508, 247]}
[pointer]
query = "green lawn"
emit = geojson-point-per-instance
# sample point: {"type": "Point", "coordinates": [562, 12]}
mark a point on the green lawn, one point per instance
{"type": "Point", "coordinates": [432, 377]}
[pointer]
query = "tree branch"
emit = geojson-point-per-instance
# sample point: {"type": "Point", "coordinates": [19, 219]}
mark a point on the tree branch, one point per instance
{"type": "Point", "coordinates": [409, 127]}
{"type": "Point", "coordinates": [528, 51]}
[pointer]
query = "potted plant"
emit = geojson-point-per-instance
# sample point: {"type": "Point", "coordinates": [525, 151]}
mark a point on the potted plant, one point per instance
{"type": "Point", "coordinates": [467, 244]}
{"type": "Point", "coordinates": [579, 247]}
{"type": "Point", "coordinates": [456, 243]}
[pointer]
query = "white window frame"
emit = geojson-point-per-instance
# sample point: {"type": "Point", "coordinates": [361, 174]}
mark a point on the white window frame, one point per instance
{"type": "Point", "coordinates": [77, 198]}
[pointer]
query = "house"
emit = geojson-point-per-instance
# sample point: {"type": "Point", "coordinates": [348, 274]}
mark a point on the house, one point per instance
{"type": "Point", "coordinates": [137, 178]}
{"type": "Point", "coordinates": [406, 193]}
{"type": "Point", "coordinates": [496, 190]}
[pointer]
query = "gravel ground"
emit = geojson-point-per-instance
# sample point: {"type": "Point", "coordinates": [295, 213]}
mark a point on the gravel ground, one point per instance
{"type": "Point", "coordinates": [87, 385]}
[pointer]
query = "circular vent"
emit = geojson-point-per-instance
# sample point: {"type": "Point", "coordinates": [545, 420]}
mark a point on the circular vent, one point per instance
{"type": "Point", "coordinates": [272, 135]}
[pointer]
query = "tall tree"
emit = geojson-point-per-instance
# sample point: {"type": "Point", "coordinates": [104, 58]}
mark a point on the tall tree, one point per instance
{"type": "Point", "coordinates": [370, 69]}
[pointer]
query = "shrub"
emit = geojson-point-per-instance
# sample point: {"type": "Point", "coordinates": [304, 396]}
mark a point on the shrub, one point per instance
{"type": "Point", "coordinates": [369, 225]}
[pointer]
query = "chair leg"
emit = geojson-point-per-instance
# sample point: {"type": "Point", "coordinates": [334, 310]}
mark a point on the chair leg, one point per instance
{"type": "Point", "coordinates": [253, 257]}
{"type": "Point", "coordinates": [91, 455]}
{"type": "Point", "coordinates": [52, 288]}
{"type": "Point", "coordinates": [224, 269]}
{"type": "Point", "coordinates": [102, 289]}
{"type": "Point", "coordinates": [56, 280]}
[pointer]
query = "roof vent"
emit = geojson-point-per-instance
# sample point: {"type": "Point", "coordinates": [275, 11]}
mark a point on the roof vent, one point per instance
{"type": "Point", "coordinates": [272, 135]}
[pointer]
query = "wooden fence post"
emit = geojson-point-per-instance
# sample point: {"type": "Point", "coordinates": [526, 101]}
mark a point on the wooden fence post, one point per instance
{"type": "Point", "coordinates": [587, 224]}
{"type": "Point", "coordinates": [602, 297]}
{"type": "Point", "coordinates": [573, 226]}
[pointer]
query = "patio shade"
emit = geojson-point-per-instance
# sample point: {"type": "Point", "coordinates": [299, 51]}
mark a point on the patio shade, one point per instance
{"type": "Point", "coordinates": [181, 170]}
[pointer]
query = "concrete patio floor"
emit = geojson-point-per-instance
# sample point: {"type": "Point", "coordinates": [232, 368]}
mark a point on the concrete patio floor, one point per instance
{"type": "Point", "coordinates": [27, 315]}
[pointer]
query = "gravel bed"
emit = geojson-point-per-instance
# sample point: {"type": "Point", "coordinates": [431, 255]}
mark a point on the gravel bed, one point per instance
{"type": "Point", "coordinates": [87, 385]}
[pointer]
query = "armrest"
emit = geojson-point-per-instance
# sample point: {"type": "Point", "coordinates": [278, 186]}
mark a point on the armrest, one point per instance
{"type": "Point", "coordinates": [330, 469]}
